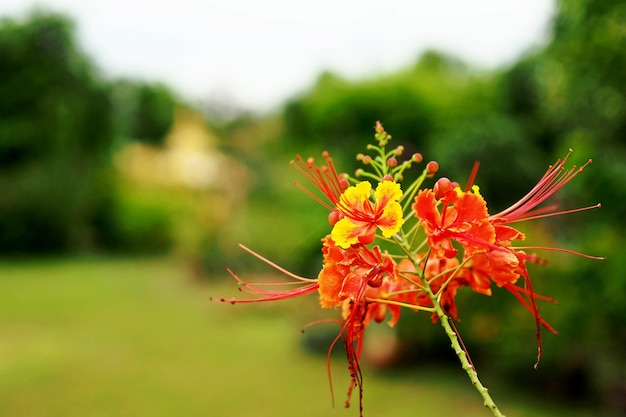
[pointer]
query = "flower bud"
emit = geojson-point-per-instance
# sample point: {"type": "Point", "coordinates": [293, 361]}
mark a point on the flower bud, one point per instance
{"type": "Point", "coordinates": [417, 157]}
{"type": "Point", "coordinates": [442, 186]}
{"type": "Point", "coordinates": [431, 168]}
{"type": "Point", "coordinates": [334, 217]}
{"type": "Point", "coordinates": [392, 162]}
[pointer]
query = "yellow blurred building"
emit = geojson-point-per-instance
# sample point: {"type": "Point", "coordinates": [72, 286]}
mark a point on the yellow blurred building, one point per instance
{"type": "Point", "coordinates": [197, 184]}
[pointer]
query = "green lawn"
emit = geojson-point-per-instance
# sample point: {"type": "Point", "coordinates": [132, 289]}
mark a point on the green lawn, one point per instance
{"type": "Point", "coordinates": [141, 338]}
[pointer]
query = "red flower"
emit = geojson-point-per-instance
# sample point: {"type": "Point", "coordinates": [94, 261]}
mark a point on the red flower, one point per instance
{"type": "Point", "coordinates": [497, 260]}
{"type": "Point", "coordinates": [357, 279]}
{"type": "Point", "coordinates": [352, 278]}
{"type": "Point", "coordinates": [463, 218]}
{"type": "Point", "coordinates": [504, 264]}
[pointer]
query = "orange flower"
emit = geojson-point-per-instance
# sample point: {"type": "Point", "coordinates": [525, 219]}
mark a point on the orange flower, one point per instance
{"type": "Point", "coordinates": [337, 267]}
{"type": "Point", "coordinates": [504, 264]}
{"type": "Point", "coordinates": [362, 218]}
{"type": "Point", "coordinates": [442, 271]}
{"type": "Point", "coordinates": [498, 261]}
{"type": "Point", "coordinates": [463, 218]}
{"type": "Point", "coordinates": [347, 274]}
{"type": "Point", "coordinates": [352, 278]}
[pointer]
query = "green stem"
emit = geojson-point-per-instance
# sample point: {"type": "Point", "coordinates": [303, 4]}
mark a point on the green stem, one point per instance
{"type": "Point", "coordinates": [454, 340]}
{"type": "Point", "coordinates": [462, 355]}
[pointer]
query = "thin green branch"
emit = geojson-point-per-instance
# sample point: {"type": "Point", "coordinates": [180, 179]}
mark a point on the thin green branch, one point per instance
{"type": "Point", "coordinates": [462, 355]}
{"type": "Point", "coordinates": [458, 349]}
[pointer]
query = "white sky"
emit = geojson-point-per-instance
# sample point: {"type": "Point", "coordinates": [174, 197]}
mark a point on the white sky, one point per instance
{"type": "Point", "coordinates": [257, 53]}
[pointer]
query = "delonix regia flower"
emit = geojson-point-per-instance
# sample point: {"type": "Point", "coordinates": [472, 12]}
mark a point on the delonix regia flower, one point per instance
{"type": "Point", "coordinates": [441, 239]}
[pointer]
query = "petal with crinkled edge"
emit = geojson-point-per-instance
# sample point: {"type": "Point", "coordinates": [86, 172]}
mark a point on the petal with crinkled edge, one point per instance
{"type": "Point", "coordinates": [387, 191]}
{"type": "Point", "coordinates": [391, 220]}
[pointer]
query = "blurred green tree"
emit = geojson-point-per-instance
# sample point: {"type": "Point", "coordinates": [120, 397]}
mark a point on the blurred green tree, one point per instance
{"type": "Point", "coordinates": [55, 134]}
{"type": "Point", "coordinates": [143, 112]}
{"type": "Point", "coordinates": [58, 128]}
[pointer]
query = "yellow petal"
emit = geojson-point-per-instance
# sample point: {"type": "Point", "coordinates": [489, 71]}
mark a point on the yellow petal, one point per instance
{"type": "Point", "coordinates": [356, 194]}
{"type": "Point", "coordinates": [391, 221]}
{"type": "Point", "coordinates": [388, 191]}
{"type": "Point", "coordinates": [330, 281]}
{"type": "Point", "coordinates": [343, 233]}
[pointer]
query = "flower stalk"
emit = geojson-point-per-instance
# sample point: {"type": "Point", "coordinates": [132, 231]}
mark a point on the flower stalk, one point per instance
{"type": "Point", "coordinates": [462, 354]}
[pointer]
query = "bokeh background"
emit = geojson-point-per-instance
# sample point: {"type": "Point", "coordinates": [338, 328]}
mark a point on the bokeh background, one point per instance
{"type": "Point", "coordinates": [122, 200]}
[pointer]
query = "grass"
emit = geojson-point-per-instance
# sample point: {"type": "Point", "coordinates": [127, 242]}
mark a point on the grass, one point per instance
{"type": "Point", "coordinates": [95, 338]}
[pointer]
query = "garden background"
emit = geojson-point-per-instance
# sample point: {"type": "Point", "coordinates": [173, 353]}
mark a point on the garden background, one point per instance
{"type": "Point", "coordinates": [121, 205]}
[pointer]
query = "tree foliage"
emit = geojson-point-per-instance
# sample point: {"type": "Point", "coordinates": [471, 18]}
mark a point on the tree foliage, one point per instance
{"type": "Point", "coordinates": [58, 128]}
{"type": "Point", "coordinates": [143, 111]}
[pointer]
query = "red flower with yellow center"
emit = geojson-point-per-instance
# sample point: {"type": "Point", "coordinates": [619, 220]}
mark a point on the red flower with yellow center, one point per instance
{"type": "Point", "coordinates": [361, 217]}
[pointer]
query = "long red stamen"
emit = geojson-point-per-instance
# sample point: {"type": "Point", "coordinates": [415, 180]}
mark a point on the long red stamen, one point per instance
{"type": "Point", "coordinates": [307, 285]}
{"type": "Point", "coordinates": [275, 266]}
{"type": "Point", "coordinates": [571, 252]}
{"type": "Point", "coordinates": [268, 294]}
{"type": "Point", "coordinates": [324, 178]}
{"type": "Point", "coordinates": [358, 310]}
{"type": "Point", "coordinates": [555, 177]}
{"type": "Point", "coordinates": [539, 213]}
{"type": "Point", "coordinates": [528, 300]}
{"type": "Point", "coordinates": [472, 176]}
{"type": "Point", "coordinates": [363, 215]}
{"type": "Point", "coordinates": [350, 337]}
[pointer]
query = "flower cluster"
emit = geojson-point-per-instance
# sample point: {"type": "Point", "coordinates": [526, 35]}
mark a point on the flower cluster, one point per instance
{"type": "Point", "coordinates": [444, 239]}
